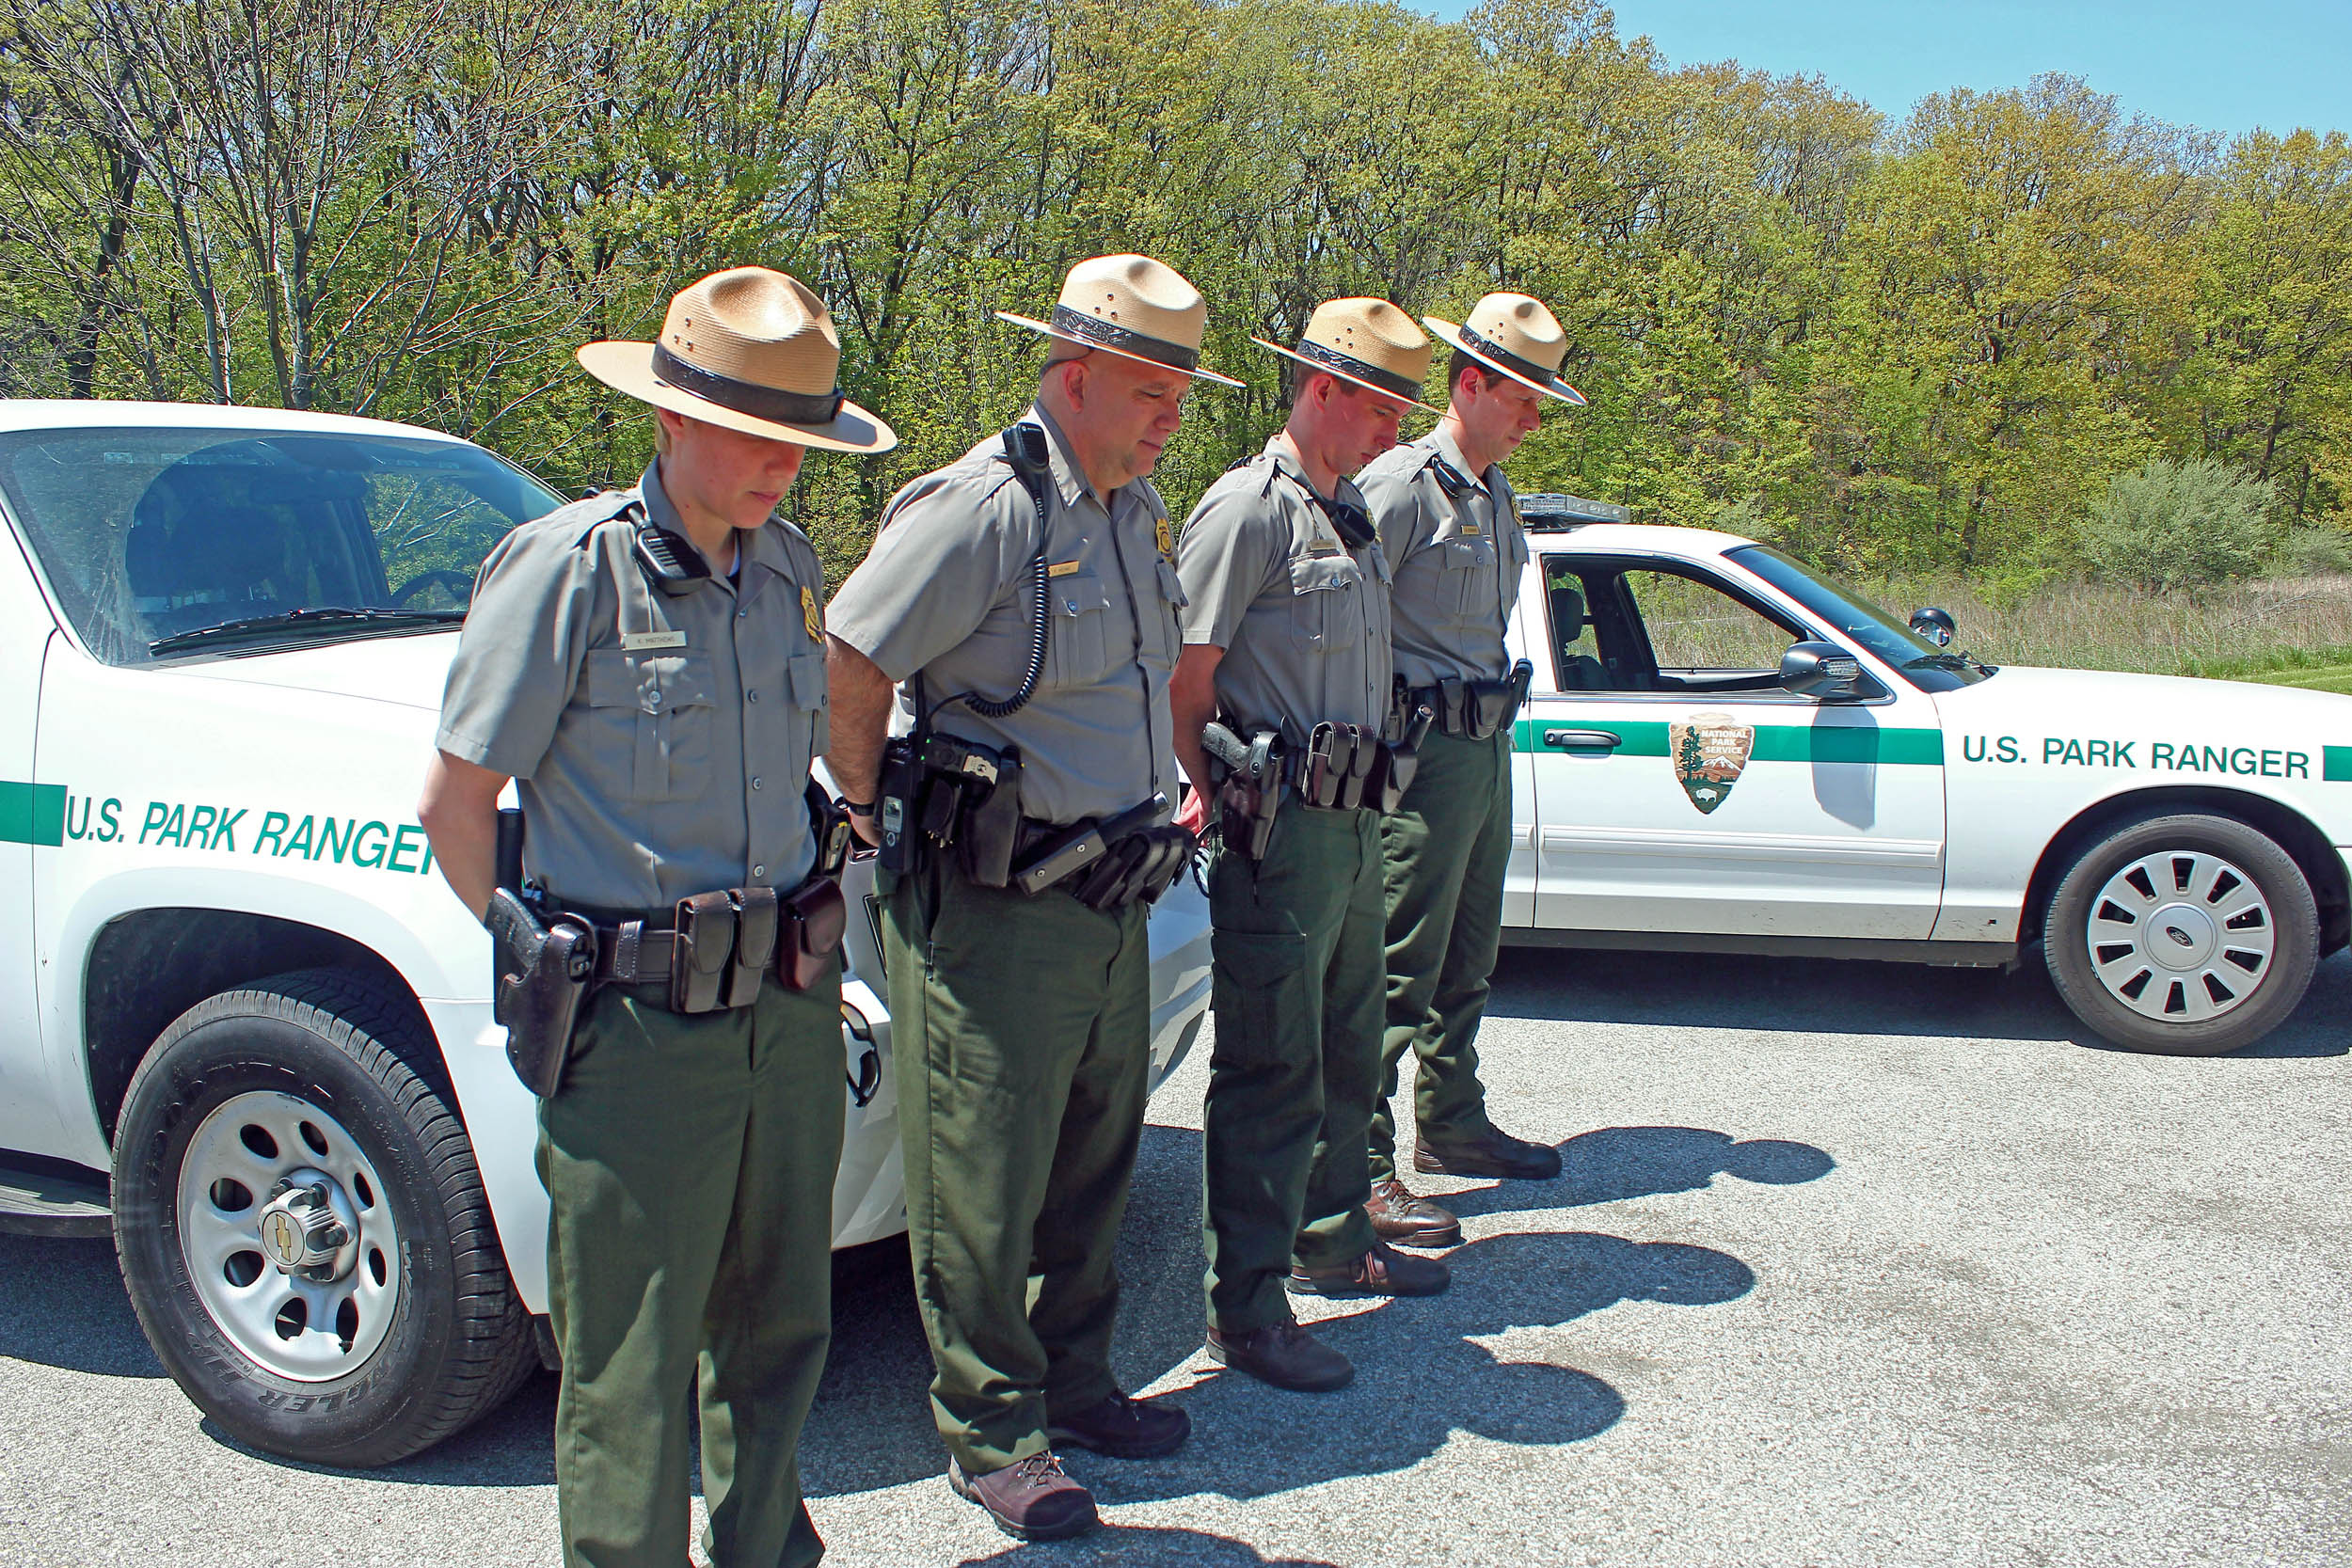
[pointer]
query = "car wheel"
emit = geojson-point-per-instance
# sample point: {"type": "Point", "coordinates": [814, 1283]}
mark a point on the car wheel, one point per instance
{"type": "Point", "coordinates": [302, 1230]}
{"type": "Point", "coordinates": [2188, 935]}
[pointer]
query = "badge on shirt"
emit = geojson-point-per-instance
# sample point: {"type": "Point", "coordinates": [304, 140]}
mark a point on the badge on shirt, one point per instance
{"type": "Point", "coordinates": [1167, 540]}
{"type": "Point", "coordinates": [636, 642]}
{"type": "Point", "coordinates": [812, 615]}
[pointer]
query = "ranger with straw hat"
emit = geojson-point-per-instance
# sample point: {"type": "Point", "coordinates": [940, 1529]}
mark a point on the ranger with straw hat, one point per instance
{"type": "Point", "coordinates": [1281, 700]}
{"type": "Point", "coordinates": [1448, 521]}
{"type": "Point", "coordinates": [648, 667]}
{"type": "Point", "coordinates": [1021, 603]}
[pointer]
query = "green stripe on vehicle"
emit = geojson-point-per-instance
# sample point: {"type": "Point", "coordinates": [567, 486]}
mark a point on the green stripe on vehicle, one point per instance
{"type": "Point", "coordinates": [1647, 738]}
{"type": "Point", "coordinates": [32, 814]}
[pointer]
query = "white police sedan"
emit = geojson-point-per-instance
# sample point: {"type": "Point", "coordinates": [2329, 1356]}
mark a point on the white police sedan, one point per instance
{"type": "Point", "coordinates": [1726, 751]}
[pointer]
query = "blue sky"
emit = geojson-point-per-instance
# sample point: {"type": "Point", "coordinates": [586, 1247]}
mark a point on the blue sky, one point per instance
{"type": "Point", "coordinates": [2227, 66]}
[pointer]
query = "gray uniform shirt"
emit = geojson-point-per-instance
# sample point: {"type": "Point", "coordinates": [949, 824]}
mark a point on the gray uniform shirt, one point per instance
{"type": "Point", "coordinates": [1302, 617]}
{"type": "Point", "coordinates": [1457, 549]}
{"type": "Point", "coordinates": [660, 740]}
{"type": "Point", "coordinates": [946, 591]}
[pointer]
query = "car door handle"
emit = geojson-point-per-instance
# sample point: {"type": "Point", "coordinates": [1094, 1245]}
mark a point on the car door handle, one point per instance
{"type": "Point", "coordinates": [1585, 740]}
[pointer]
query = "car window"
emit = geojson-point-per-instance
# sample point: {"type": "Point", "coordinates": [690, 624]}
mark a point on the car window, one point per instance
{"type": "Point", "coordinates": [1921, 662]}
{"type": "Point", "coordinates": [1696, 626]}
{"type": "Point", "coordinates": [150, 534]}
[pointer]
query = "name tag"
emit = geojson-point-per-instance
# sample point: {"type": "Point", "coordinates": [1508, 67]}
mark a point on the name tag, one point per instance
{"type": "Point", "coordinates": [632, 641]}
{"type": "Point", "coordinates": [1061, 568]}
{"type": "Point", "coordinates": [1469, 530]}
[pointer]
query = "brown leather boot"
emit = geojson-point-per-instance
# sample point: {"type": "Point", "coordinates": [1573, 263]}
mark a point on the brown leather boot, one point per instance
{"type": "Point", "coordinates": [1285, 1355]}
{"type": "Point", "coordinates": [1029, 1499]}
{"type": "Point", "coordinates": [1490, 1152]}
{"type": "Point", "coordinates": [1403, 1218]}
{"type": "Point", "coordinates": [1382, 1271]}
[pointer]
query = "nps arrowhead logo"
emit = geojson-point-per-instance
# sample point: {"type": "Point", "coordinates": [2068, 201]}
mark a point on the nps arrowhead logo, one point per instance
{"type": "Point", "coordinates": [1709, 753]}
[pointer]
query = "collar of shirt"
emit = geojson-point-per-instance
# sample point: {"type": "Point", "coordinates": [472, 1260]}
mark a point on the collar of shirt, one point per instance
{"type": "Point", "coordinates": [1345, 496]}
{"type": "Point", "coordinates": [753, 546]}
{"type": "Point", "coordinates": [1442, 439]}
{"type": "Point", "coordinates": [1069, 478]}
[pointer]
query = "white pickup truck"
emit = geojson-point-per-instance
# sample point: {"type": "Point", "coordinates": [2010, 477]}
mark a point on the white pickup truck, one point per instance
{"type": "Point", "coordinates": [243, 1023]}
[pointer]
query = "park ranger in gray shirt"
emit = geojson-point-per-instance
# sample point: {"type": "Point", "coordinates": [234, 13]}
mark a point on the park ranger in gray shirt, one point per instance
{"type": "Point", "coordinates": [647, 666]}
{"type": "Point", "coordinates": [1286, 636]}
{"type": "Point", "coordinates": [1023, 1009]}
{"type": "Point", "coordinates": [1451, 529]}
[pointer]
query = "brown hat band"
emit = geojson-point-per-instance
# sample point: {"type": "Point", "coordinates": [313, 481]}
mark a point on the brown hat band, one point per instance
{"type": "Point", "coordinates": [1333, 359]}
{"type": "Point", "coordinates": [1509, 361]}
{"type": "Point", "coordinates": [747, 396]}
{"type": "Point", "coordinates": [1094, 329]}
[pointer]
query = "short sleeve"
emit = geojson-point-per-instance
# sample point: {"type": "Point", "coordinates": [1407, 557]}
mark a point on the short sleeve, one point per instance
{"type": "Point", "coordinates": [1393, 496]}
{"type": "Point", "coordinates": [948, 546]}
{"type": "Point", "coordinates": [519, 655]}
{"type": "Point", "coordinates": [1224, 558]}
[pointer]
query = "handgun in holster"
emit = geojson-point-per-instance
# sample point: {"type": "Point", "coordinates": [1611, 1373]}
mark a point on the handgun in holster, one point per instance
{"type": "Point", "coordinates": [829, 824]}
{"type": "Point", "coordinates": [542, 970]}
{"type": "Point", "coordinates": [1249, 787]}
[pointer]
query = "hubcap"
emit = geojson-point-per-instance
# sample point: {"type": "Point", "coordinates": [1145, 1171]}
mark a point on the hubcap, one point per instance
{"type": "Point", "coordinates": [2180, 936]}
{"type": "Point", "coordinates": [287, 1236]}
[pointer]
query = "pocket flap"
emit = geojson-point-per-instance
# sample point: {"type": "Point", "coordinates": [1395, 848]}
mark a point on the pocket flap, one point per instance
{"type": "Point", "coordinates": [1321, 574]}
{"type": "Point", "coordinates": [651, 683]}
{"type": "Point", "coordinates": [809, 680]}
{"type": "Point", "coordinates": [1081, 593]}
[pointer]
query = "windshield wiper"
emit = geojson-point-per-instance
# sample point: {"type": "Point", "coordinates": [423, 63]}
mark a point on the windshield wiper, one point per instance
{"type": "Point", "coordinates": [1948, 662]}
{"type": "Point", "coordinates": [321, 616]}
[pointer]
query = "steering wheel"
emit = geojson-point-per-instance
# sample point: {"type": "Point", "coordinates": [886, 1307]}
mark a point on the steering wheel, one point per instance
{"type": "Point", "coordinates": [458, 583]}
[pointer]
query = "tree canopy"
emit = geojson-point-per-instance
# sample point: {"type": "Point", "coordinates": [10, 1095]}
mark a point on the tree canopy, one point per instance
{"type": "Point", "coordinates": [1895, 346]}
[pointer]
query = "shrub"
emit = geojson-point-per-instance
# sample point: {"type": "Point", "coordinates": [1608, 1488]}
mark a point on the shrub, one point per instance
{"type": "Point", "coordinates": [2319, 551]}
{"type": "Point", "coordinates": [2171, 524]}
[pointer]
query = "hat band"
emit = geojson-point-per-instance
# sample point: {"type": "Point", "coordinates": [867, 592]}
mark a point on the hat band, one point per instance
{"type": "Point", "coordinates": [1527, 369]}
{"type": "Point", "coordinates": [1102, 334]}
{"type": "Point", "coordinates": [747, 396]}
{"type": "Point", "coordinates": [1347, 365]}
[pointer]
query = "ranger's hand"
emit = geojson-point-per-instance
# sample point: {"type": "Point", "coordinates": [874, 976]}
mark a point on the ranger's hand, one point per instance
{"type": "Point", "coordinates": [1193, 816]}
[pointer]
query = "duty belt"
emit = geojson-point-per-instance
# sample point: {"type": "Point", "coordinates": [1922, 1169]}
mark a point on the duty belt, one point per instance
{"type": "Point", "coordinates": [715, 950]}
{"type": "Point", "coordinates": [1475, 710]}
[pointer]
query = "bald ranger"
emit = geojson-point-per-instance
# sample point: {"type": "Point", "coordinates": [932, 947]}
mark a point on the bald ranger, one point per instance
{"type": "Point", "coordinates": [1448, 521]}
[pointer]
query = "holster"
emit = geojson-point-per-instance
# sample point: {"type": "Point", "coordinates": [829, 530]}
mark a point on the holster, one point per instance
{"type": "Point", "coordinates": [542, 974]}
{"type": "Point", "coordinates": [831, 827]}
{"type": "Point", "coordinates": [814, 917]}
{"type": "Point", "coordinates": [992, 825]}
{"type": "Point", "coordinates": [699, 963]}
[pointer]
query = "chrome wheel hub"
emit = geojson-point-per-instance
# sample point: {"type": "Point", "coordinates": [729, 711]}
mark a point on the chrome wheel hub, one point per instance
{"type": "Point", "coordinates": [287, 1236]}
{"type": "Point", "coordinates": [2180, 936]}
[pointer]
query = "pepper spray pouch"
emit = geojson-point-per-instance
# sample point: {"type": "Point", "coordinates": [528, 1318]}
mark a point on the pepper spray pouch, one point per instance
{"type": "Point", "coordinates": [754, 944]}
{"type": "Point", "coordinates": [699, 961]}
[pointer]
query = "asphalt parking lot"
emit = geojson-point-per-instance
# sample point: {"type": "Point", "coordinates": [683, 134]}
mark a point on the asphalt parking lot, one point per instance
{"type": "Point", "coordinates": [1850, 1264]}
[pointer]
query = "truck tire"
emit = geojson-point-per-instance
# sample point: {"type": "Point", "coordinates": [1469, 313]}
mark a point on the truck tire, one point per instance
{"type": "Point", "coordinates": [302, 1230]}
{"type": "Point", "coordinates": [2183, 934]}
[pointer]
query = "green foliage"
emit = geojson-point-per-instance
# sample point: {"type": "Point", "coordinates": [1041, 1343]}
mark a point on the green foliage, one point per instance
{"type": "Point", "coordinates": [1894, 347]}
{"type": "Point", "coordinates": [2168, 525]}
{"type": "Point", "coordinates": [2314, 552]}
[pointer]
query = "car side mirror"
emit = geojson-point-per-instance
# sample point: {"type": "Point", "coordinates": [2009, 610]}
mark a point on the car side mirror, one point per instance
{"type": "Point", "coordinates": [1936, 626]}
{"type": "Point", "coordinates": [1823, 671]}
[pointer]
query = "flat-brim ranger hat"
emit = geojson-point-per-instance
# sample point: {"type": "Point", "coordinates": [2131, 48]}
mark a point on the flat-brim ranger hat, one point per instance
{"type": "Point", "coordinates": [1130, 306]}
{"type": "Point", "coordinates": [1516, 335]}
{"type": "Point", "coordinates": [749, 350]}
{"type": "Point", "coordinates": [1368, 342]}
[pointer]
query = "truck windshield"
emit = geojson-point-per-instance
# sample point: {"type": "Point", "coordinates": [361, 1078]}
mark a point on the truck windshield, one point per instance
{"type": "Point", "coordinates": [1922, 663]}
{"type": "Point", "coordinates": [161, 543]}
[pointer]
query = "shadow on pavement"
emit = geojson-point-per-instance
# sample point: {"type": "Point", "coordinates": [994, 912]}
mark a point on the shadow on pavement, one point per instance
{"type": "Point", "coordinates": [1850, 996]}
{"type": "Point", "coordinates": [1144, 1547]}
{"type": "Point", "coordinates": [62, 1305]}
{"type": "Point", "coordinates": [1613, 1163]}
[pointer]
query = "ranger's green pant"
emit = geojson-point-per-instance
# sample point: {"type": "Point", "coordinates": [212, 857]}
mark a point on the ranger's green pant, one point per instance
{"type": "Point", "coordinates": [1296, 986]}
{"type": "Point", "coordinates": [1022, 1031]}
{"type": "Point", "coordinates": [690, 1163]}
{"type": "Point", "coordinates": [1444, 851]}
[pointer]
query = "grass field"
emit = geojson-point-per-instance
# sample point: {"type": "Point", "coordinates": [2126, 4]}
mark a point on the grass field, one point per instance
{"type": "Point", "coordinates": [2292, 631]}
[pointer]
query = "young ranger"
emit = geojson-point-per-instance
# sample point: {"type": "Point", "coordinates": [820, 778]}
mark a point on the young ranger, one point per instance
{"type": "Point", "coordinates": [648, 666]}
{"type": "Point", "coordinates": [1023, 600]}
{"type": "Point", "coordinates": [1452, 531]}
{"type": "Point", "coordinates": [1285, 676]}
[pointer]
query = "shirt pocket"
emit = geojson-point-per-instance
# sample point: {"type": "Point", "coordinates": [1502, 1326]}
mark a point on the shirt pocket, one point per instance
{"type": "Point", "coordinates": [1078, 607]}
{"type": "Point", "coordinates": [807, 679]}
{"type": "Point", "coordinates": [658, 709]}
{"type": "Point", "coordinates": [1468, 588]}
{"type": "Point", "coordinates": [1326, 603]}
